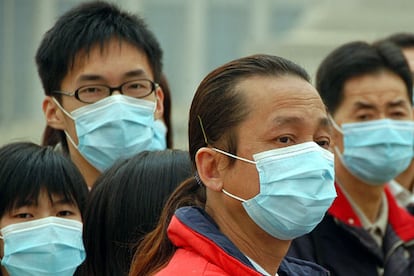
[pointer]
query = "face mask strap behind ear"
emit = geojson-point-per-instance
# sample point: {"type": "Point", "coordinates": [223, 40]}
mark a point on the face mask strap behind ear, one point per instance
{"type": "Point", "coordinates": [234, 156]}
{"type": "Point", "coordinates": [334, 124]}
{"type": "Point", "coordinates": [70, 139]}
{"type": "Point", "coordinates": [62, 109]}
{"type": "Point", "coordinates": [219, 150]}
{"type": "Point", "coordinates": [70, 116]}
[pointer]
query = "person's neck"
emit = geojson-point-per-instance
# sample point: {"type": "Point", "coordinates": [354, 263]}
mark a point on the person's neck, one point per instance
{"type": "Point", "coordinates": [265, 250]}
{"type": "Point", "coordinates": [89, 172]}
{"type": "Point", "coordinates": [367, 197]}
{"type": "Point", "coordinates": [406, 178]}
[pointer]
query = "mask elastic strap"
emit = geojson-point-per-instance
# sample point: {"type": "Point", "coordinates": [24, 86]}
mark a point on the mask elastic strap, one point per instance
{"type": "Point", "coordinates": [234, 156]}
{"type": "Point", "coordinates": [334, 124]}
{"type": "Point", "coordinates": [219, 150]}
{"type": "Point", "coordinates": [233, 196]}
{"type": "Point", "coordinates": [70, 116]}
{"type": "Point", "coordinates": [62, 109]}
{"type": "Point", "coordinates": [70, 139]}
{"type": "Point", "coordinates": [338, 152]}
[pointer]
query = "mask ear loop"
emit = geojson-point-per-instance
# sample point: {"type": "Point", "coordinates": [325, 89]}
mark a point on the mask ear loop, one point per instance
{"type": "Point", "coordinates": [222, 151]}
{"type": "Point", "coordinates": [336, 149]}
{"type": "Point", "coordinates": [225, 153]}
{"type": "Point", "coordinates": [70, 116]}
{"type": "Point", "coordinates": [334, 124]}
{"type": "Point", "coordinates": [62, 109]}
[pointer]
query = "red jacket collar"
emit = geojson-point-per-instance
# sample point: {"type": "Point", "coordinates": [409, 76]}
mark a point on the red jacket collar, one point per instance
{"type": "Point", "coordinates": [399, 219]}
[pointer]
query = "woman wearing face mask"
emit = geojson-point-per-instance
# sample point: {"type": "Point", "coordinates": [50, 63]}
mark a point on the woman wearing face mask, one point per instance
{"type": "Point", "coordinates": [258, 140]}
{"type": "Point", "coordinates": [42, 198]}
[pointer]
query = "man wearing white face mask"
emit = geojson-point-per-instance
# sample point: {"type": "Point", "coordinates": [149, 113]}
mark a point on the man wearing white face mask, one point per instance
{"type": "Point", "coordinates": [259, 136]}
{"type": "Point", "coordinates": [100, 68]}
{"type": "Point", "coordinates": [403, 185]}
{"type": "Point", "coordinates": [367, 89]}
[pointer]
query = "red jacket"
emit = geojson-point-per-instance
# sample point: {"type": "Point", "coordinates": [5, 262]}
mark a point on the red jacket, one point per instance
{"type": "Point", "coordinates": [204, 250]}
{"type": "Point", "coordinates": [340, 244]}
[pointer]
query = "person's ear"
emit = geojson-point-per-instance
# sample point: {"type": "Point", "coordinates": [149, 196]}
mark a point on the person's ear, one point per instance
{"type": "Point", "coordinates": [207, 168]}
{"type": "Point", "coordinates": [53, 115]}
{"type": "Point", "coordinates": [159, 111]}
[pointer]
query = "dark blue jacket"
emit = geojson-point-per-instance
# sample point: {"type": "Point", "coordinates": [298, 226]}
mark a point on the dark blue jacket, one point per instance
{"type": "Point", "coordinates": [204, 250]}
{"type": "Point", "coordinates": [340, 244]}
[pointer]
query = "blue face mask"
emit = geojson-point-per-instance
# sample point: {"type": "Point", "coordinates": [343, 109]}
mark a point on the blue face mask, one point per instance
{"type": "Point", "coordinates": [114, 127]}
{"type": "Point", "coordinates": [296, 189]}
{"type": "Point", "coordinates": [377, 151]}
{"type": "Point", "coordinates": [48, 246]}
{"type": "Point", "coordinates": [160, 135]}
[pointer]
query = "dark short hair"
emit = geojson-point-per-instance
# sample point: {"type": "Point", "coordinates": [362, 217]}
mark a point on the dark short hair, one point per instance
{"type": "Point", "coordinates": [81, 28]}
{"type": "Point", "coordinates": [27, 168]}
{"type": "Point", "coordinates": [221, 107]}
{"type": "Point", "coordinates": [125, 204]}
{"type": "Point", "coordinates": [87, 25]}
{"type": "Point", "coordinates": [356, 59]}
{"type": "Point", "coordinates": [403, 40]}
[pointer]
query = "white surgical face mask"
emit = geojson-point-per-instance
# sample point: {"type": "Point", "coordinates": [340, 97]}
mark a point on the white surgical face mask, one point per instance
{"type": "Point", "coordinates": [376, 151]}
{"type": "Point", "coordinates": [47, 246]}
{"type": "Point", "coordinates": [296, 189]}
{"type": "Point", "coordinates": [115, 127]}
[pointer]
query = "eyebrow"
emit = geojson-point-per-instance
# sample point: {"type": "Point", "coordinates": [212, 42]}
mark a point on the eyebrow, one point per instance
{"type": "Point", "coordinates": [19, 203]}
{"type": "Point", "coordinates": [284, 120]}
{"type": "Point", "coordinates": [396, 103]}
{"type": "Point", "coordinates": [363, 105]}
{"type": "Point", "coordinates": [92, 77]}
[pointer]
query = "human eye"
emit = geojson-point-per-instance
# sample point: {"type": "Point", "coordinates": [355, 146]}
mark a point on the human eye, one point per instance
{"type": "Point", "coordinates": [91, 89]}
{"type": "Point", "coordinates": [285, 140]}
{"type": "Point", "coordinates": [324, 143]}
{"type": "Point", "coordinates": [65, 213]}
{"type": "Point", "coordinates": [23, 215]}
{"type": "Point", "coordinates": [398, 113]}
{"type": "Point", "coordinates": [92, 93]}
{"type": "Point", "coordinates": [138, 88]}
{"type": "Point", "coordinates": [364, 116]}
{"type": "Point", "coordinates": [66, 209]}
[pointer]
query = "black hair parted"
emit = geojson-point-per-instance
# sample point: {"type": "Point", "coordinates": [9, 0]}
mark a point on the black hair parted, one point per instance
{"type": "Point", "coordinates": [402, 39]}
{"type": "Point", "coordinates": [221, 107]}
{"type": "Point", "coordinates": [85, 26]}
{"type": "Point", "coordinates": [358, 58]}
{"type": "Point", "coordinates": [125, 203]}
{"type": "Point", "coordinates": [27, 168]}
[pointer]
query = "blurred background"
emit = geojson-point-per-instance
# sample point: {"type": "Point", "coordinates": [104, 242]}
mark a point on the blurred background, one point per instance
{"type": "Point", "coordinates": [196, 36]}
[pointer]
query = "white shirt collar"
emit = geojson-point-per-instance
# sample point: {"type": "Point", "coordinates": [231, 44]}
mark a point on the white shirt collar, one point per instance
{"type": "Point", "coordinates": [403, 196]}
{"type": "Point", "coordinates": [259, 268]}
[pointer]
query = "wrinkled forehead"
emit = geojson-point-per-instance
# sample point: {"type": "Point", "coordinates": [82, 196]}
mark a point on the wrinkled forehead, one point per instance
{"type": "Point", "coordinates": [282, 89]}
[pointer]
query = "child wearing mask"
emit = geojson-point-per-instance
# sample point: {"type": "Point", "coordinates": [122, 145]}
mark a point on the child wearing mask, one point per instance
{"type": "Point", "coordinates": [42, 197]}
